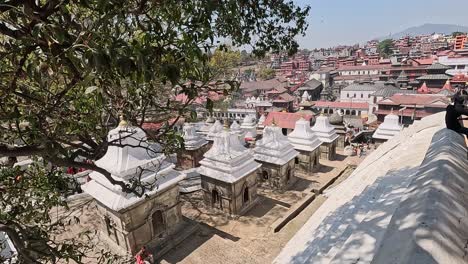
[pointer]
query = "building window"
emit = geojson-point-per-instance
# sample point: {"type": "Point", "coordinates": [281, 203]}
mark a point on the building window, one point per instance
{"type": "Point", "coordinates": [158, 222]}
{"type": "Point", "coordinates": [362, 95]}
{"type": "Point", "coordinates": [354, 95]}
{"type": "Point", "coordinates": [265, 175]}
{"type": "Point", "coordinates": [296, 160]}
{"type": "Point", "coordinates": [368, 96]}
{"type": "Point", "coordinates": [347, 95]}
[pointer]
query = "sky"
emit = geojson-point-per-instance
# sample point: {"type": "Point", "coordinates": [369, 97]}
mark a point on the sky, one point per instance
{"type": "Point", "coordinates": [335, 22]}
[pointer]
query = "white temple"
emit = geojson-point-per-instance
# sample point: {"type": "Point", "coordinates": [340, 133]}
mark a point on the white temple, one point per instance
{"type": "Point", "coordinates": [229, 166]}
{"type": "Point", "coordinates": [389, 128]}
{"type": "Point", "coordinates": [274, 147]}
{"type": "Point", "coordinates": [227, 160]}
{"type": "Point", "coordinates": [324, 130]}
{"type": "Point", "coordinates": [261, 120]}
{"type": "Point", "coordinates": [206, 127]}
{"type": "Point", "coordinates": [249, 127]}
{"type": "Point", "coordinates": [192, 140]}
{"type": "Point", "coordinates": [127, 163]}
{"type": "Point", "coordinates": [327, 134]}
{"type": "Point", "coordinates": [236, 129]}
{"type": "Point", "coordinates": [215, 129]}
{"type": "Point", "coordinates": [303, 138]}
{"type": "Point", "coordinates": [305, 96]}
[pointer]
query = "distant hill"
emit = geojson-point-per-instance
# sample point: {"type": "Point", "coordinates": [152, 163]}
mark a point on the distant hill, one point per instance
{"type": "Point", "coordinates": [427, 29]}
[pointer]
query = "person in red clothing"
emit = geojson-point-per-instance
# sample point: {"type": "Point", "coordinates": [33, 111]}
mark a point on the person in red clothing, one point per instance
{"type": "Point", "coordinates": [143, 256]}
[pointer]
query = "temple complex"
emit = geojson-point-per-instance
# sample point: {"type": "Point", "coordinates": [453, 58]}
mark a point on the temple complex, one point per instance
{"type": "Point", "coordinates": [194, 148]}
{"type": "Point", "coordinates": [308, 146]}
{"type": "Point", "coordinates": [277, 157]}
{"type": "Point", "coordinates": [327, 134]}
{"type": "Point", "coordinates": [229, 175]}
{"type": "Point", "coordinates": [128, 221]}
{"type": "Point", "coordinates": [388, 129]}
{"type": "Point", "coordinates": [435, 77]}
{"type": "Point", "coordinates": [249, 127]}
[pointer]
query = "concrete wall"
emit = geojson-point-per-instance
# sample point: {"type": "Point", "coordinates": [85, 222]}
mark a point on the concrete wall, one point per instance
{"type": "Point", "coordinates": [328, 150]}
{"type": "Point", "coordinates": [431, 225]}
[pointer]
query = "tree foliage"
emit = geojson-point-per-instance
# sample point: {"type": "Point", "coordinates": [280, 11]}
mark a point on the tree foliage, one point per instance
{"type": "Point", "coordinates": [266, 73]}
{"type": "Point", "coordinates": [225, 60]}
{"type": "Point", "coordinates": [70, 68]}
{"type": "Point", "coordinates": [385, 48]}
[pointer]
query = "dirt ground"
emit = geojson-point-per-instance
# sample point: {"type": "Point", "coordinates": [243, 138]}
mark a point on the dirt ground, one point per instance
{"type": "Point", "coordinates": [250, 238]}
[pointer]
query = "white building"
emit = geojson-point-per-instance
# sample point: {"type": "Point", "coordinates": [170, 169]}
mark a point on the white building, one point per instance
{"type": "Point", "coordinates": [458, 65]}
{"type": "Point", "coordinates": [277, 156]}
{"type": "Point", "coordinates": [327, 134]}
{"type": "Point", "coordinates": [359, 92]}
{"type": "Point", "coordinates": [307, 144]}
{"type": "Point", "coordinates": [388, 129]}
{"type": "Point", "coordinates": [130, 221]}
{"type": "Point", "coordinates": [229, 175]}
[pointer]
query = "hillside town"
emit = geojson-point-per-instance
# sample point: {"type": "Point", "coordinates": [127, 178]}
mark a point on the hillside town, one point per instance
{"type": "Point", "coordinates": [331, 155]}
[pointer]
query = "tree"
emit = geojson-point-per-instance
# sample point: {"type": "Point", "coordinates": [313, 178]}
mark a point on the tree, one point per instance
{"type": "Point", "coordinates": [385, 48]}
{"type": "Point", "coordinates": [224, 61]}
{"type": "Point", "coordinates": [457, 33]}
{"type": "Point", "coordinates": [266, 73]}
{"type": "Point", "coordinates": [70, 68]}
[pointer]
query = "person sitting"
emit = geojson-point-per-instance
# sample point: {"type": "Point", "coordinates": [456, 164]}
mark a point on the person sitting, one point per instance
{"type": "Point", "coordinates": [454, 111]}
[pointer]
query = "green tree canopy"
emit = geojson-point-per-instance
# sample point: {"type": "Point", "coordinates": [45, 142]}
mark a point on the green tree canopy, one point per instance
{"type": "Point", "coordinates": [70, 68]}
{"type": "Point", "coordinates": [266, 73]}
{"type": "Point", "coordinates": [385, 48]}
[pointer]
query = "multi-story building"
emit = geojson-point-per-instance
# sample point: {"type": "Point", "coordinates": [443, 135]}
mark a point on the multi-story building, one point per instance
{"type": "Point", "coordinates": [461, 42]}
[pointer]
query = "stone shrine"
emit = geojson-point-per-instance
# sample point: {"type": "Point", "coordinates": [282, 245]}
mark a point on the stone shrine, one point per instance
{"type": "Point", "coordinates": [229, 175]}
{"type": "Point", "coordinates": [328, 136]}
{"type": "Point", "coordinates": [215, 129]}
{"type": "Point", "coordinates": [308, 146]}
{"type": "Point", "coordinates": [336, 120]}
{"type": "Point", "coordinates": [277, 157]}
{"type": "Point", "coordinates": [388, 129]}
{"type": "Point", "coordinates": [236, 129]}
{"type": "Point", "coordinates": [194, 148]}
{"type": "Point", "coordinates": [128, 221]}
{"type": "Point", "coordinates": [249, 127]}
{"type": "Point", "coordinates": [206, 127]}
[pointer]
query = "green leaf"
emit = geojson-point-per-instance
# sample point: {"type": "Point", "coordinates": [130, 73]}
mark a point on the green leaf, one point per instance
{"type": "Point", "coordinates": [91, 89]}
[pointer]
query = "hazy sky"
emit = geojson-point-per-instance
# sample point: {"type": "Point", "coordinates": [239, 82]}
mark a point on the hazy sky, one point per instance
{"type": "Point", "coordinates": [334, 22]}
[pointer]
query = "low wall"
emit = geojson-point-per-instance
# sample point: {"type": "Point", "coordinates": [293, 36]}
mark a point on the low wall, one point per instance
{"type": "Point", "coordinates": [431, 224]}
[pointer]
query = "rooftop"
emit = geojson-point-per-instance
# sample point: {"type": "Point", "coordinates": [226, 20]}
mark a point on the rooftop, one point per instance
{"type": "Point", "coordinates": [285, 120]}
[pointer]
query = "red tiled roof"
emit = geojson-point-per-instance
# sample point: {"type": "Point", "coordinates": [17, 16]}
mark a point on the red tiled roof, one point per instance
{"type": "Point", "coordinates": [413, 99]}
{"type": "Point", "coordinates": [459, 78]}
{"type": "Point", "coordinates": [406, 112]}
{"type": "Point", "coordinates": [342, 105]}
{"type": "Point", "coordinates": [285, 120]}
{"type": "Point", "coordinates": [427, 61]}
{"type": "Point", "coordinates": [157, 126]}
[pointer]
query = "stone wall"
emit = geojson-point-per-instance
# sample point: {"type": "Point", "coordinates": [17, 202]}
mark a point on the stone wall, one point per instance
{"type": "Point", "coordinates": [231, 194]}
{"type": "Point", "coordinates": [328, 150]}
{"type": "Point", "coordinates": [308, 161]}
{"type": "Point", "coordinates": [277, 175]}
{"type": "Point", "coordinates": [188, 159]}
{"type": "Point", "coordinates": [133, 228]}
